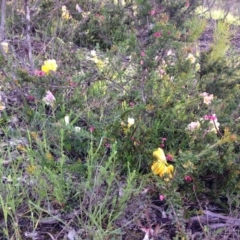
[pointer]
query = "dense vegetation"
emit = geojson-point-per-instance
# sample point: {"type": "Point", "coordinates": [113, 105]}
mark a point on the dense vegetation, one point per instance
{"type": "Point", "coordinates": [115, 124]}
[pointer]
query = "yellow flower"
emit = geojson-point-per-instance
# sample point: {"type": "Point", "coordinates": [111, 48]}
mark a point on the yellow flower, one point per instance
{"type": "Point", "coordinates": [158, 167]}
{"type": "Point", "coordinates": [34, 135]}
{"type": "Point", "coordinates": [162, 169]}
{"type": "Point", "coordinates": [159, 155]}
{"type": "Point", "coordinates": [49, 65]}
{"type": "Point", "coordinates": [21, 148]}
{"type": "Point", "coordinates": [49, 156]}
{"type": "Point", "coordinates": [31, 169]}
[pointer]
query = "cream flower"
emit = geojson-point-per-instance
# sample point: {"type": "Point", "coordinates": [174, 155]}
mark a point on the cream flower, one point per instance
{"type": "Point", "coordinates": [4, 46]}
{"type": "Point", "coordinates": [191, 58]}
{"type": "Point", "coordinates": [207, 98]}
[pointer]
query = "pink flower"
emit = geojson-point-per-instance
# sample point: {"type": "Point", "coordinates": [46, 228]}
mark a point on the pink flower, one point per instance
{"type": "Point", "coordinates": [187, 4]}
{"type": "Point", "coordinates": [30, 98]}
{"type": "Point", "coordinates": [141, 62]}
{"type": "Point", "coordinates": [108, 145]}
{"type": "Point", "coordinates": [210, 117]}
{"type": "Point", "coordinates": [169, 157]}
{"type": "Point", "coordinates": [188, 178]}
{"type": "Point", "coordinates": [49, 99]}
{"type": "Point", "coordinates": [152, 12]}
{"type": "Point", "coordinates": [157, 34]}
{"type": "Point", "coordinates": [39, 73]}
{"type": "Point", "coordinates": [131, 104]}
{"type": "Point", "coordinates": [91, 129]}
{"type": "Point", "coordinates": [164, 139]}
{"type": "Point", "coordinates": [162, 145]}
{"type": "Point", "coordinates": [143, 54]}
{"type": "Point", "coordinates": [161, 197]}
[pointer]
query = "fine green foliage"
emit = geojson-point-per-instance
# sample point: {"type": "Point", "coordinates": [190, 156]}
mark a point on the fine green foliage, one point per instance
{"type": "Point", "coordinates": [89, 91]}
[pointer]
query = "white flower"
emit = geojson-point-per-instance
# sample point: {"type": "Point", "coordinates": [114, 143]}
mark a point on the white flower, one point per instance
{"type": "Point", "coordinates": [78, 8]}
{"type": "Point", "coordinates": [131, 121]}
{"type": "Point", "coordinates": [169, 52]}
{"type": "Point", "coordinates": [66, 118]}
{"type": "Point", "coordinates": [77, 129]}
{"type": "Point", "coordinates": [93, 53]}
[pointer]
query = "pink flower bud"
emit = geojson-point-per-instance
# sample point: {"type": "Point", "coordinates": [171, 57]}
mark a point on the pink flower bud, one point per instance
{"type": "Point", "coordinates": [169, 157]}
{"type": "Point", "coordinates": [161, 197]}
{"type": "Point", "coordinates": [39, 73]}
{"type": "Point", "coordinates": [152, 12]}
{"type": "Point", "coordinates": [91, 129]}
{"type": "Point", "coordinates": [188, 178]}
{"type": "Point", "coordinates": [131, 104]}
{"type": "Point", "coordinates": [157, 34]}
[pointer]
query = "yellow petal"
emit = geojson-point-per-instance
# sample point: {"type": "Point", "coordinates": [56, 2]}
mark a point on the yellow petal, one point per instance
{"type": "Point", "coordinates": [158, 168]}
{"type": "Point", "coordinates": [169, 170]}
{"type": "Point", "coordinates": [45, 69]}
{"type": "Point", "coordinates": [159, 155]}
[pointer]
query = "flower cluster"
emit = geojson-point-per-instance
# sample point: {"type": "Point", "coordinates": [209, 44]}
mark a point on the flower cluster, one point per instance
{"type": "Point", "coordinates": [213, 123]}
{"type": "Point", "coordinates": [160, 166]}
